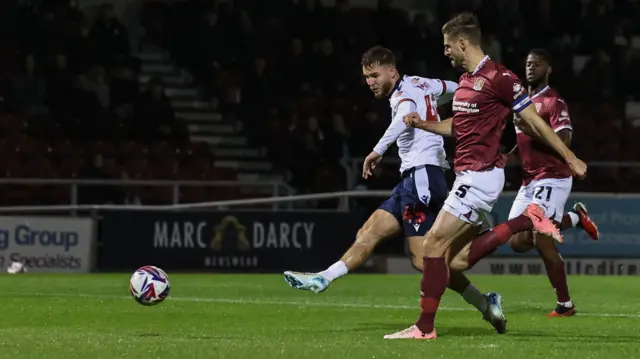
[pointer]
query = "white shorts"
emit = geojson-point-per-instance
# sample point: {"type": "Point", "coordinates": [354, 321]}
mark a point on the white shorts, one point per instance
{"type": "Point", "coordinates": [473, 195]}
{"type": "Point", "coordinates": [551, 194]}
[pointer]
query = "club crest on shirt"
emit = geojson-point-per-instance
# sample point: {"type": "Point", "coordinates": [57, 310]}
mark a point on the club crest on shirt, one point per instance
{"type": "Point", "coordinates": [538, 106]}
{"type": "Point", "coordinates": [415, 80]}
{"type": "Point", "coordinates": [478, 84]}
{"type": "Point", "coordinates": [517, 87]}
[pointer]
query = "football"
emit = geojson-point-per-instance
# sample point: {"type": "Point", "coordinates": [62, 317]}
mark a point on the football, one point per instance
{"type": "Point", "coordinates": [149, 285]}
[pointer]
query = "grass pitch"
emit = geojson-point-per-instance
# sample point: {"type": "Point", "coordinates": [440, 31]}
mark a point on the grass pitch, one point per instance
{"type": "Point", "coordinates": [259, 316]}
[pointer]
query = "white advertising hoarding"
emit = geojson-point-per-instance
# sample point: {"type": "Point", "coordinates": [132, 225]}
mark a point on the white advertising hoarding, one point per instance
{"type": "Point", "coordinates": [534, 266]}
{"type": "Point", "coordinates": [47, 244]}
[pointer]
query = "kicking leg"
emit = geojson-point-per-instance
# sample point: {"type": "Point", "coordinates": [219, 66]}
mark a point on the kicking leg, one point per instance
{"type": "Point", "coordinates": [380, 226]}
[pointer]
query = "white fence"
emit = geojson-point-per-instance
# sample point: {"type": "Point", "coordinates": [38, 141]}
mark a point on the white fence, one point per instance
{"type": "Point", "coordinates": [277, 187]}
{"type": "Point", "coordinates": [343, 205]}
{"type": "Point", "coordinates": [274, 201]}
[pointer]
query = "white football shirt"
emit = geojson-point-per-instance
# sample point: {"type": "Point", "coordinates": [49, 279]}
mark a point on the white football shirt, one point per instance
{"type": "Point", "coordinates": [416, 147]}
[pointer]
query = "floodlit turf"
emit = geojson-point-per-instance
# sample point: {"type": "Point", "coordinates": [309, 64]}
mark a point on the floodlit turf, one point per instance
{"type": "Point", "coordinates": [259, 316]}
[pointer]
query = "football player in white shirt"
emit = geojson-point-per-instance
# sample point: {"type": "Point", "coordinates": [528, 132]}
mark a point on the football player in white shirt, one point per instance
{"type": "Point", "coordinates": [417, 199]}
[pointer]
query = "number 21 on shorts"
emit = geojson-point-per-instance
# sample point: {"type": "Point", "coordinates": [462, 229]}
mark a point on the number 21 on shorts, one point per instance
{"type": "Point", "coordinates": [543, 192]}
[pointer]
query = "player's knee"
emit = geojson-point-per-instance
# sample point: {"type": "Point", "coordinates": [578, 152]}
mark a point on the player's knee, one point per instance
{"type": "Point", "coordinates": [434, 244]}
{"type": "Point", "coordinates": [458, 264]}
{"type": "Point", "coordinates": [364, 237]}
{"type": "Point", "coordinates": [433, 238]}
{"type": "Point", "coordinates": [417, 263]}
{"type": "Point", "coordinates": [519, 244]}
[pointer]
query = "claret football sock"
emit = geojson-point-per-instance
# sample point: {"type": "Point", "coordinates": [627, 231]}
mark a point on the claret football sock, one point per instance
{"type": "Point", "coordinates": [435, 278]}
{"type": "Point", "coordinates": [488, 242]}
{"type": "Point", "coordinates": [558, 279]}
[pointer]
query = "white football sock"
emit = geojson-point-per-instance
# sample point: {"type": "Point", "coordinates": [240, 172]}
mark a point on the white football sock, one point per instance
{"type": "Point", "coordinates": [568, 304]}
{"type": "Point", "coordinates": [473, 296]}
{"type": "Point", "coordinates": [337, 270]}
{"type": "Point", "coordinates": [575, 218]}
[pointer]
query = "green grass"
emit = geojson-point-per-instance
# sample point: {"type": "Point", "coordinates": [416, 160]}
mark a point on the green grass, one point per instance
{"type": "Point", "coordinates": [259, 316]}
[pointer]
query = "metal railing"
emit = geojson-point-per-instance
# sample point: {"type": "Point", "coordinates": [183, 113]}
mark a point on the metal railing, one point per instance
{"type": "Point", "coordinates": [277, 187]}
{"type": "Point", "coordinates": [227, 204]}
{"type": "Point", "coordinates": [203, 205]}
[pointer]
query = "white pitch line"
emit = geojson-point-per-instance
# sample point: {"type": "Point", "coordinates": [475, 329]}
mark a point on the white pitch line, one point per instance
{"type": "Point", "coordinates": [487, 346]}
{"type": "Point", "coordinates": [301, 304]}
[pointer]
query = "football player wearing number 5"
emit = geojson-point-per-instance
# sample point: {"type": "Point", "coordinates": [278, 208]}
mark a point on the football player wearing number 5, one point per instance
{"type": "Point", "coordinates": [486, 96]}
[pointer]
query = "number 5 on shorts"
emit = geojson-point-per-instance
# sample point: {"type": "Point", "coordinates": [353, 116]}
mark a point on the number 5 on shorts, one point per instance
{"type": "Point", "coordinates": [462, 190]}
{"type": "Point", "coordinates": [539, 191]}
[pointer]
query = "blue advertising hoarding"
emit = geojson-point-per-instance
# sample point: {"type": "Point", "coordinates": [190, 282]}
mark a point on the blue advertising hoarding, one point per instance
{"type": "Point", "coordinates": [617, 217]}
{"type": "Point", "coordinates": [250, 241]}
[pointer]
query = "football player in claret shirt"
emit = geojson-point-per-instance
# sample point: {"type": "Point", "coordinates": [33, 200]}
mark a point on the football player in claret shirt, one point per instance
{"type": "Point", "coordinates": [487, 95]}
{"type": "Point", "coordinates": [547, 179]}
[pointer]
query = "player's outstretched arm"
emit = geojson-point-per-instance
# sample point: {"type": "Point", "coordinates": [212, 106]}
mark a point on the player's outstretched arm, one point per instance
{"type": "Point", "coordinates": [442, 128]}
{"type": "Point", "coordinates": [396, 128]}
{"type": "Point", "coordinates": [542, 131]}
{"type": "Point", "coordinates": [449, 89]}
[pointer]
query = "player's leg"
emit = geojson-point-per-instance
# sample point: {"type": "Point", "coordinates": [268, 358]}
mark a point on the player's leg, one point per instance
{"type": "Point", "coordinates": [471, 199]}
{"type": "Point", "coordinates": [454, 227]}
{"type": "Point", "coordinates": [487, 242]}
{"type": "Point", "coordinates": [532, 219]}
{"type": "Point", "coordinates": [522, 242]}
{"type": "Point", "coordinates": [422, 202]}
{"type": "Point", "coordinates": [446, 230]}
{"type": "Point", "coordinates": [458, 281]}
{"type": "Point", "coordinates": [579, 217]}
{"type": "Point", "coordinates": [414, 245]}
{"type": "Point", "coordinates": [556, 272]}
{"type": "Point", "coordinates": [380, 226]}
{"type": "Point", "coordinates": [418, 218]}
{"type": "Point", "coordinates": [490, 304]}
{"type": "Point", "coordinates": [524, 216]}
{"type": "Point", "coordinates": [552, 195]}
